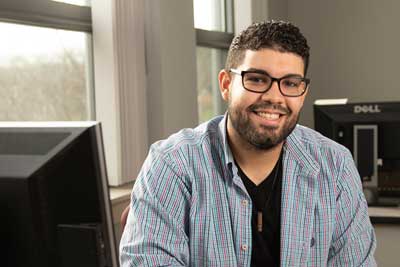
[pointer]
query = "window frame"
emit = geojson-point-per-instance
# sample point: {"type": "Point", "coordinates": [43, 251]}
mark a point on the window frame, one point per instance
{"type": "Point", "coordinates": [218, 40]}
{"type": "Point", "coordinates": [47, 13]}
{"type": "Point", "coordinates": [213, 39]}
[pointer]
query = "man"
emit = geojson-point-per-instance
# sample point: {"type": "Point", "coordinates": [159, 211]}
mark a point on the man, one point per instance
{"type": "Point", "coordinates": [251, 188]}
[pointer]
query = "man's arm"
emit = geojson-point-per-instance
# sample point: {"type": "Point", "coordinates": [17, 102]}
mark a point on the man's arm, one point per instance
{"type": "Point", "coordinates": [156, 231]}
{"type": "Point", "coordinates": [353, 242]}
{"type": "Point", "coordinates": [124, 216]}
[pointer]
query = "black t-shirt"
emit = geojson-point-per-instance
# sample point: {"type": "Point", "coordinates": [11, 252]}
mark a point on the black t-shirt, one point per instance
{"type": "Point", "coordinates": [266, 244]}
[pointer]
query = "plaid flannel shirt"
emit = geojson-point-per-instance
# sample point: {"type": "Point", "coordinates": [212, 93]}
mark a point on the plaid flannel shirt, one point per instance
{"type": "Point", "coordinates": [190, 208]}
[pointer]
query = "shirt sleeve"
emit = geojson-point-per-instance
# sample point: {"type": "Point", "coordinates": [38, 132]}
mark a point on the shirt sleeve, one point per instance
{"type": "Point", "coordinates": [156, 233]}
{"type": "Point", "coordinates": [353, 241]}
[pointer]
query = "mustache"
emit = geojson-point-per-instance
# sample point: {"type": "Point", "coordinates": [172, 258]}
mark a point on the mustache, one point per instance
{"type": "Point", "coordinates": [269, 105]}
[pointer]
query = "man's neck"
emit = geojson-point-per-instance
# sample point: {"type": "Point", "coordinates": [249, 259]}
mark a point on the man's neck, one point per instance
{"type": "Point", "coordinates": [256, 163]}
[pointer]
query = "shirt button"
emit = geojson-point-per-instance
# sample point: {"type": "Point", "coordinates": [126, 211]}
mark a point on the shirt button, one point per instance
{"type": "Point", "coordinates": [245, 202]}
{"type": "Point", "coordinates": [312, 243]}
{"type": "Point", "coordinates": [244, 247]}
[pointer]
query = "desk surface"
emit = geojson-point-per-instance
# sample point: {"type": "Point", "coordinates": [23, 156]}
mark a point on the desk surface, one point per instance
{"type": "Point", "coordinates": [120, 193]}
{"type": "Point", "coordinates": [384, 214]}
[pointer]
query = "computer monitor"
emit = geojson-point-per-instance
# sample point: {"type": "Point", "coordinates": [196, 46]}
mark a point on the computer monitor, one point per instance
{"type": "Point", "coordinates": [371, 131]}
{"type": "Point", "coordinates": [54, 198]}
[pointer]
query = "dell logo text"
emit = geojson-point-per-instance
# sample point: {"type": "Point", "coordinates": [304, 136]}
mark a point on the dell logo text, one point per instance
{"type": "Point", "coordinates": [366, 109]}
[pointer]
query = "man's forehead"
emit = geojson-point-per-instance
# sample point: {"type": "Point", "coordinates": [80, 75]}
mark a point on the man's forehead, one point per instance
{"type": "Point", "coordinates": [266, 58]}
{"type": "Point", "coordinates": [270, 50]}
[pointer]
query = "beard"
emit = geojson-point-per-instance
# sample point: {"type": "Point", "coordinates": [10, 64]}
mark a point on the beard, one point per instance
{"type": "Point", "coordinates": [261, 137]}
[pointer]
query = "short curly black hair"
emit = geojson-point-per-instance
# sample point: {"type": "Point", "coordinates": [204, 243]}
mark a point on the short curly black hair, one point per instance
{"type": "Point", "coordinates": [278, 35]}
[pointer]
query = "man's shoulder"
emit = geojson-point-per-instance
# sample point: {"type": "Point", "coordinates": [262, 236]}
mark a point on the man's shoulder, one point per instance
{"type": "Point", "coordinates": [190, 137]}
{"type": "Point", "coordinates": [331, 159]}
{"type": "Point", "coordinates": [316, 141]}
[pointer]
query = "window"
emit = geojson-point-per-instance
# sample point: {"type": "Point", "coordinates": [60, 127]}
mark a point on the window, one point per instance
{"type": "Point", "coordinates": [213, 15]}
{"type": "Point", "coordinates": [209, 62]}
{"type": "Point", "coordinates": [214, 27]}
{"type": "Point", "coordinates": [44, 74]}
{"type": "Point", "coordinates": [46, 60]}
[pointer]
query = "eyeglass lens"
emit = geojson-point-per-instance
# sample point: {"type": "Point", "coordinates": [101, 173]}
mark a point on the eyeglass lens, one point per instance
{"type": "Point", "coordinates": [291, 86]}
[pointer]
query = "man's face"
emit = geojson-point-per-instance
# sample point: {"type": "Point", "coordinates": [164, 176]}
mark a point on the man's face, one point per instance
{"type": "Point", "coordinates": [263, 120]}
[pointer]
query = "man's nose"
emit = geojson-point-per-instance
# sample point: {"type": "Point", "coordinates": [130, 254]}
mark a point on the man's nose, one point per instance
{"type": "Point", "coordinates": [273, 94]}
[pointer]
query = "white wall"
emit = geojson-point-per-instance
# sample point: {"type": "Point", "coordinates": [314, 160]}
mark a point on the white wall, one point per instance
{"type": "Point", "coordinates": [354, 49]}
{"type": "Point", "coordinates": [388, 237]}
{"type": "Point", "coordinates": [246, 12]}
{"type": "Point", "coordinates": [278, 9]}
{"type": "Point", "coordinates": [171, 67]}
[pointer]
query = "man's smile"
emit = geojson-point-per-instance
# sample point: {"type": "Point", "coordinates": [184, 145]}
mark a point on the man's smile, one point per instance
{"type": "Point", "coordinates": [268, 116]}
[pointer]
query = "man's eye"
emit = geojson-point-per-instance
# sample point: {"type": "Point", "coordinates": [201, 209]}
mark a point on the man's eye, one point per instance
{"type": "Point", "coordinates": [256, 79]}
{"type": "Point", "coordinates": [292, 83]}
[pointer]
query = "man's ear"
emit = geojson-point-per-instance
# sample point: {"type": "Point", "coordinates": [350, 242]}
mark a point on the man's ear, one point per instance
{"type": "Point", "coordinates": [224, 79]}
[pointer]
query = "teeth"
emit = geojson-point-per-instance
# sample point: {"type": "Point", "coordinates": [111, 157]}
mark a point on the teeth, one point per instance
{"type": "Point", "coordinates": [269, 116]}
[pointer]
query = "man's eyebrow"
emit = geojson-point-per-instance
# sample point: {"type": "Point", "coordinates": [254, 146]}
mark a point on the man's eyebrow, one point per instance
{"type": "Point", "coordinates": [260, 71]}
{"type": "Point", "coordinates": [257, 71]}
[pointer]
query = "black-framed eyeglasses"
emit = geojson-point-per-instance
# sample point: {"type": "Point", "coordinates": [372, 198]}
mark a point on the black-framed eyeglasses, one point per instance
{"type": "Point", "coordinates": [261, 82]}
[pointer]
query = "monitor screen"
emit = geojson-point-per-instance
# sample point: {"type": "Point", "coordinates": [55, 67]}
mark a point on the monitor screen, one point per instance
{"type": "Point", "coordinates": [370, 131]}
{"type": "Point", "coordinates": [54, 196]}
